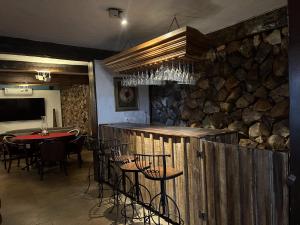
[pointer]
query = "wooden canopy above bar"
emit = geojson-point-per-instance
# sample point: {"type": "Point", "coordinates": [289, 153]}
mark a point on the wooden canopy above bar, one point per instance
{"type": "Point", "coordinates": [169, 130]}
{"type": "Point", "coordinates": [185, 43]}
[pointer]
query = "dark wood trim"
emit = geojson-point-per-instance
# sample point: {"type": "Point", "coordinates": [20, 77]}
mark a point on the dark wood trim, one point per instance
{"type": "Point", "coordinates": [93, 114]}
{"type": "Point", "coordinates": [32, 67]}
{"type": "Point", "coordinates": [29, 78]}
{"type": "Point", "coordinates": [92, 101]}
{"type": "Point", "coordinates": [268, 21]}
{"type": "Point", "coordinates": [46, 49]}
{"type": "Point", "coordinates": [294, 80]}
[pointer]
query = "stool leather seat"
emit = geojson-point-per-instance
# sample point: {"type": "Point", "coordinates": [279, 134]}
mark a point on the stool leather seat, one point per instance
{"type": "Point", "coordinates": [131, 167]}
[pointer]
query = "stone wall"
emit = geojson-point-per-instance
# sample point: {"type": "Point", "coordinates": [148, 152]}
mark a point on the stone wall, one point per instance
{"type": "Point", "coordinates": [74, 107]}
{"type": "Point", "coordinates": [243, 86]}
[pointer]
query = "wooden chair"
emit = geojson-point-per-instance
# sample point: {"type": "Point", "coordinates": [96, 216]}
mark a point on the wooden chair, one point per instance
{"type": "Point", "coordinates": [52, 151]}
{"type": "Point", "coordinates": [13, 151]}
{"type": "Point", "coordinates": [75, 147]}
{"type": "Point", "coordinates": [3, 152]}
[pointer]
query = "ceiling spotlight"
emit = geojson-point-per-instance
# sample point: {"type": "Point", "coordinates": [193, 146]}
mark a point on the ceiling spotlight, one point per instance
{"type": "Point", "coordinates": [118, 14]}
{"type": "Point", "coordinates": [124, 22]}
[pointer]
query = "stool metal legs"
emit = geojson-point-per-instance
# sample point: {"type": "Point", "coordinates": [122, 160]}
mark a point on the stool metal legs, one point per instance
{"type": "Point", "coordinates": [166, 208]}
{"type": "Point", "coordinates": [137, 197]}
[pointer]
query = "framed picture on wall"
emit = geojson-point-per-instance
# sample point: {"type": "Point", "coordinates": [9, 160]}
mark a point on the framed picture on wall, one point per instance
{"type": "Point", "coordinates": [126, 98]}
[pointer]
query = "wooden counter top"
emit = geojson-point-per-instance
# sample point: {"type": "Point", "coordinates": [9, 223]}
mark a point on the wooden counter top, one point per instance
{"type": "Point", "coordinates": [170, 130]}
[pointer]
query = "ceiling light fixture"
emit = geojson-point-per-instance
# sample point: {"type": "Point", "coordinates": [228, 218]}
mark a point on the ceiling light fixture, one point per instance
{"type": "Point", "coordinates": [124, 22]}
{"type": "Point", "coordinates": [43, 76]}
{"type": "Point", "coordinates": [118, 14]}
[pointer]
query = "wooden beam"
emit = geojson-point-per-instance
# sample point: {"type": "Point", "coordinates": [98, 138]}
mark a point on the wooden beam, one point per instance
{"type": "Point", "coordinates": [46, 49]}
{"type": "Point", "coordinates": [93, 114]}
{"type": "Point", "coordinates": [294, 84]}
{"type": "Point", "coordinates": [265, 22]}
{"type": "Point", "coordinates": [92, 101]}
{"type": "Point", "coordinates": [57, 79]}
{"type": "Point", "coordinates": [32, 67]}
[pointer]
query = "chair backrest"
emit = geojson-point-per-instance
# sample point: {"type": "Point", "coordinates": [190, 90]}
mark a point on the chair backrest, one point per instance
{"type": "Point", "coordinates": [53, 150]}
{"type": "Point", "coordinates": [76, 132]}
{"type": "Point", "coordinates": [2, 136]}
{"type": "Point", "coordinates": [6, 136]}
{"type": "Point", "coordinates": [152, 165]}
{"type": "Point", "coordinates": [106, 144]}
{"type": "Point", "coordinates": [116, 151]}
{"type": "Point", "coordinates": [91, 143]}
{"type": "Point", "coordinates": [11, 147]}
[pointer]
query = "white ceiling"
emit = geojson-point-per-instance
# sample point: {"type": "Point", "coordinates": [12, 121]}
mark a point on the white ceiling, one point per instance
{"type": "Point", "coordinates": [86, 23]}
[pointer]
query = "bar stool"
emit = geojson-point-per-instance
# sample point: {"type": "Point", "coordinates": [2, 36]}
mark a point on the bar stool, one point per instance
{"type": "Point", "coordinates": [159, 171]}
{"type": "Point", "coordinates": [100, 149]}
{"type": "Point", "coordinates": [118, 157]}
{"type": "Point", "coordinates": [135, 195]}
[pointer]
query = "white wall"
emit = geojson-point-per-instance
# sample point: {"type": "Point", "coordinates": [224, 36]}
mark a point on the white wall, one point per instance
{"type": "Point", "coordinates": [106, 100]}
{"type": "Point", "coordinates": [52, 101]}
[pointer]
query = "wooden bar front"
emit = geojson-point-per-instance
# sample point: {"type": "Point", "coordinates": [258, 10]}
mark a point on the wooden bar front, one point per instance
{"type": "Point", "coordinates": [183, 146]}
{"type": "Point", "coordinates": [222, 182]}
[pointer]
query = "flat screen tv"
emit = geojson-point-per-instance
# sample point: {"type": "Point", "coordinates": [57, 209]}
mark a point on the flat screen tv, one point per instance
{"type": "Point", "coordinates": [15, 109]}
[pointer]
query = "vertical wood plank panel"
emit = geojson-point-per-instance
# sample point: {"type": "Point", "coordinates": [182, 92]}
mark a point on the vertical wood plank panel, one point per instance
{"type": "Point", "coordinates": [280, 170]}
{"type": "Point", "coordinates": [263, 189]}
{"type": "Point", "coordinates": [233, 185]}
{"type": "Point", "coordinates": [247, 183]}
{"type": "Point", "coordinates": [210, 182]}
{"type": "Point", "coordinates": [221, 184]}
{"type": "Point", "coordinates": [195, 188]}
{"type": "Point", "coordinates": [203, 181]}
{"type": "Point", "coordinates": [185, 145]}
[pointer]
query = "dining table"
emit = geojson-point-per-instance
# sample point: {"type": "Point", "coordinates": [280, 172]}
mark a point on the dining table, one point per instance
{"type": "Point", "coordinates": [31, 141]}
{"type": "Point", "coordinates": [33, 138]}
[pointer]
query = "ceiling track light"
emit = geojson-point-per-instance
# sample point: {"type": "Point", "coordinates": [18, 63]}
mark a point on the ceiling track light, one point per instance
{"type": "Point", "coordinates": [118, 14]}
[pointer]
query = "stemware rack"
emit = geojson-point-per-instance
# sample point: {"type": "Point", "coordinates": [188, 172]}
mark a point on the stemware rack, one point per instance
{"type": "Point", "coordinates": [185, 44]}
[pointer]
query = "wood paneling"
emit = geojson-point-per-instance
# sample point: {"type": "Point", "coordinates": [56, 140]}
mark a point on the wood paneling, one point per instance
{"type": "Point", "coordinates": [29, 78]}
{"type": "Point", "coordinates": [222, 183]}
{"type": "Point", "coordinates": [32, 67]}
{"type": "Point", "coordinates": [45, 49]}
{"type": "Point", "coordinates": [185, 189]}
{"type": "Point", "coordinates": [185, 43]}
{"type": "Point", "coordinates": [92, 101]}
{"type": "Point", "coordinates": [172, 131]}
{"type": "Point", "coordinates": [245, 186]}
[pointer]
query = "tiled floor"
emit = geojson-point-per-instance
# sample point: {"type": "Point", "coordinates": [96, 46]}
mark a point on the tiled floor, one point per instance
{"type": "Point", "coordinates": [58, 200]}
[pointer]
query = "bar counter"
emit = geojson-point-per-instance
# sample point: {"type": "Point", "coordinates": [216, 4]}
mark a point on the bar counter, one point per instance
{"type": "Point", "coordinates": [169, 130]}
{"type": "Point", "coordinates": [183, 144]}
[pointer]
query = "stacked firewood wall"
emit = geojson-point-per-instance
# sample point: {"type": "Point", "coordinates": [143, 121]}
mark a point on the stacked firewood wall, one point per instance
{"type": "Point", "coordinates": [74, 105]}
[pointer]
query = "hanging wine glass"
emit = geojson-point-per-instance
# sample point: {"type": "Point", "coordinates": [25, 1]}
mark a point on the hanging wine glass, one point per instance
{"type": "Point", "coordinates": [167, 72]}
{"type": "Point", "coordinates": [172, 73]}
